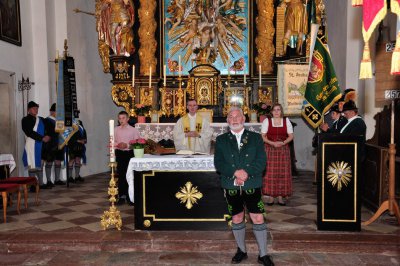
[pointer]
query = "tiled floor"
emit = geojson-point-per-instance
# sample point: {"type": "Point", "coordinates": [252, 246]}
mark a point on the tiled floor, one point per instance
{"type": "Point", "coordinates": [65, 211]}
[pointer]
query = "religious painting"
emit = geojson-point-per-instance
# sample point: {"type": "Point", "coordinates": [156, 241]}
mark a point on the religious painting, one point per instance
{"type": "Point", "coordinates": [292, 83]}
{"type": "Point", "coordinates": [265, 95]}
{"type": "Point", "coordinates": [146, 96]}
{"type": "Point", "coordinates": [204, 91]}
{"type": "Point", "coordinates": [10, 22]}
{"type": "Point", "coordinates": [206, 32]}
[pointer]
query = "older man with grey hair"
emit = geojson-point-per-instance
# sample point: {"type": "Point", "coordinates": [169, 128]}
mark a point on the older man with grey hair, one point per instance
{"type": "Point", "coordinates": [240, 160]}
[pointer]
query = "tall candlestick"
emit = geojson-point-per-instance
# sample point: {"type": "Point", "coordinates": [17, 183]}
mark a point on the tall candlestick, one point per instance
{"type": "Point", "coordinates": [259, 74]}
{"type": "Point", "coordinates": [57, 54]}
{"type": "Point", "coordinates": [179, 66]}
{"type": "Point", "coordinates": [111, 142]}
{"type": "Point", "coordinates": [150, 77]}
{"type": "Point", "coordinates": [165, 75]}
{"type": "Point", "coordinates": [244, 73]}
{"type": "Point", "coordinates": [133, 76]}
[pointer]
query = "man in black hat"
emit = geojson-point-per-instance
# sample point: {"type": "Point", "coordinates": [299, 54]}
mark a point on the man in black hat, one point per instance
{"type": "Point", "coordinates": [338, 120]}
{"type": "Point", "coordinates": [355, 124]}
{"type": "Point", "coordinates": [35, 132]}
{"type": "Point", "coordinates": [50, 151]}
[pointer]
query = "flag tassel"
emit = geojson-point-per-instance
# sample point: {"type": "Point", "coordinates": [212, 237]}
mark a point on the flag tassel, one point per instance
{"type": "Point", "coordinates": [366, 66]}
{"type": "Point", "coordinates": [395, 68]}
{"type": "Point", "coordinates": [356, 2]}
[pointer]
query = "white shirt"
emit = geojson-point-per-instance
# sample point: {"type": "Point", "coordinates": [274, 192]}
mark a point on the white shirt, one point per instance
{"type": "Point", "coordinates": [265, 125]}
{"type": "Point", "coordinates": [238, 136]}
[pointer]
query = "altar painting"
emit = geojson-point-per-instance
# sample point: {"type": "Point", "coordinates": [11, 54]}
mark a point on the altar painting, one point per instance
{"type": "Point", "coordinates": [206, 32]}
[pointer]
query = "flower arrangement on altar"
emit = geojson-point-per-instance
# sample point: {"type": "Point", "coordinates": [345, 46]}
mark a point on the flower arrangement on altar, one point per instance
{"type": "Point", "coordinates": [141, 109]}
{"type": "Point", "coordinates": [262, 108]}
{"type": "Point", "coordinates": [138, 143]}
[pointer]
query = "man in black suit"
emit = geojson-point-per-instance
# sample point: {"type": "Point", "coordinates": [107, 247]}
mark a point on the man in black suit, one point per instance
{"type": "Point", "coordinates": [339, 121]}
{"type": "Point", "coordinates": [355, 125]}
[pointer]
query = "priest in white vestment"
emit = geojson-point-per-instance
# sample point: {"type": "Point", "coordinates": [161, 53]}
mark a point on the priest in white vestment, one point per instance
{"type": "Point", "coordinates": [193, 132]}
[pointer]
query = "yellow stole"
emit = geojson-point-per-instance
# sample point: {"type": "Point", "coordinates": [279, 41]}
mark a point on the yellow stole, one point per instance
{"type": "Point", "coordinates": [186, 125]}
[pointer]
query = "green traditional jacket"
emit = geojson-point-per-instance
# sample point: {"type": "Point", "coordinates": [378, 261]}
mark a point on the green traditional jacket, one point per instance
{"type": "Point", "coordinates": [251, 157]}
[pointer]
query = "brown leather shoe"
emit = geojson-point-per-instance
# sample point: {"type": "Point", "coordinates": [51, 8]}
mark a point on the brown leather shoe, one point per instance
{"type": "Point", "coordinates": [265, 260]}
{"type": "Point", "coordinates": [239, 256]}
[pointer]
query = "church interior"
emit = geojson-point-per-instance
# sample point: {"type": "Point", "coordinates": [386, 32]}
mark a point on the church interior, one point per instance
{"type": "Point", "coordinates": [148, 58]}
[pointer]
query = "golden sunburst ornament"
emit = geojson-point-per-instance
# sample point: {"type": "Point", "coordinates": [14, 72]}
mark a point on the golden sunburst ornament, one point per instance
{"type": "Point", "coordinates": [189, 195]}
{"type": "Point", "coordinates": [339, 174]}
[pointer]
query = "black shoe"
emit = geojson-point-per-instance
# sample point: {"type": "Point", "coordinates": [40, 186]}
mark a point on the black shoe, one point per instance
{"type": "Point", "coordinates": [270, 203]}
{"type": "Point", "coordinates": [50, 184]}
{"type": "Point", "coordinates": [44, 187]}
{"type": "Point", "coordinates": [282, 203]}
{"type": "Point", "coordinates": [71, 180]}
{"type": "Point", "coordinates": [265, 260]}
{"type": "Point", "coordinates": [121, 201]}
{"type": "Point", "coordinates": [130, 203]}
{"type": "Point", "coordinates": [239, 256]}
{"type": "Point", "coordinates": [61, 183]}
{"type": "Point", "coordinates": [80, 179]}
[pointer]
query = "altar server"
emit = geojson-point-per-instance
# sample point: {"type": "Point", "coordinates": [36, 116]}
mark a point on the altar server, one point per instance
{"type": "Point", "coordinates": [192, 131]}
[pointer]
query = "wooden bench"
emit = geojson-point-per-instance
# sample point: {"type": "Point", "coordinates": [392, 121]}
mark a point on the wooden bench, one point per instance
{"type": "Point", "coordinates": [5, 189]}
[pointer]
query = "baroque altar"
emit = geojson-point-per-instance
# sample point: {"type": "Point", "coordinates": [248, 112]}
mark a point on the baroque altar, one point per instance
{"type": "Point", "coordinates": [221, 53]}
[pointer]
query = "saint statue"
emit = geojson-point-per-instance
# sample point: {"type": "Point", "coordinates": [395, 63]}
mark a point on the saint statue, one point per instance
{"type": "Point", "coordinates": [296, 24]}
{"type": "Point", "coordinates": [115, 19]}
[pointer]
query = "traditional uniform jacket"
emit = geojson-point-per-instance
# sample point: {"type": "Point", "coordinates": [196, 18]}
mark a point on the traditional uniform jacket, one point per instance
{"type": "Point", "coordinates": [251, 157]}
{"type": "Point", "coordinates": [337, 125]}
{"type": "Point", "coordinates": [357, 127]}
{"type": "Point", "coordinates": [34, 129]}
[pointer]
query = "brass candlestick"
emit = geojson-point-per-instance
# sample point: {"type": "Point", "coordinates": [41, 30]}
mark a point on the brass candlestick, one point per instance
{"type": "Point", "coordinates": [112, 216]}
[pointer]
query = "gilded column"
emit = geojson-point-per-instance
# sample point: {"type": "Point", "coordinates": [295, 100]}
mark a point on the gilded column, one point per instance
{"type": "Point", "coordinates": [148, 43]}
{"type": "Point", "coordinates": [265, 35]}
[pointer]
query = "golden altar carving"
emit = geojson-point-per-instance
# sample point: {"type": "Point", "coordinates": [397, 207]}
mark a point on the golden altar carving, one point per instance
{"type": "Point", "coordinates": [124, 95]}
{"type": "Point", "coordinates": [204, 85]}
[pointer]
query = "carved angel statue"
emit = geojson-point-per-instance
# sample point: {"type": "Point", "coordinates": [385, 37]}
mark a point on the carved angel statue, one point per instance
{"type": "Point", "coordinates": [296, 25]}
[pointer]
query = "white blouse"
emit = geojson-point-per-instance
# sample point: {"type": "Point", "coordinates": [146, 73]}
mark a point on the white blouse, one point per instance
{"type": "Point", "coordinates": [265, 124]}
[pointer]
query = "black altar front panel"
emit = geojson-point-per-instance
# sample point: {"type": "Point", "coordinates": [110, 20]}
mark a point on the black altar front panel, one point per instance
{"type": "Point", "coordinates": [179, 200]}
{"type": "Point", "coordinates": [338, 183]}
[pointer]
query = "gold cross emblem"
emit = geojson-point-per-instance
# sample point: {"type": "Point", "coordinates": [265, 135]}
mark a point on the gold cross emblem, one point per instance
{"type": "Point", "coordinates": [189, 195]}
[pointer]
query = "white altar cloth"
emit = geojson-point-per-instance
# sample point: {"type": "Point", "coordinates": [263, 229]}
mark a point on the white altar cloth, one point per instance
{"type": "Point", "coordinates": [166, 163]}
{"type": "Point", "coordinates": [159, 131]}
{"type": "Point", "coordinates": [8, 159]}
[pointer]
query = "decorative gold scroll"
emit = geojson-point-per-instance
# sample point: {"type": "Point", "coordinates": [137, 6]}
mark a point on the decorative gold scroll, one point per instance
{"type": "Point", "coordinates": [179, 102]}
{"type": "Point", "coordinates": [167, 101]}
{"type": "Point", "coordinates": [264, 40]}
{"type": "Point", "coordinates": [124, 95]}
{"type": "Point", "coordinates": [148, 43]}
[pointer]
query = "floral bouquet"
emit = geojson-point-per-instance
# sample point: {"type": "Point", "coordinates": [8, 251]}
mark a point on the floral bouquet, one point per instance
{"type": "Point", "coordinates": [262, 108]}
{"type": "Point", "coordinates": [142, 109]}
{"type": "Point", "coordinates": [138, 143]}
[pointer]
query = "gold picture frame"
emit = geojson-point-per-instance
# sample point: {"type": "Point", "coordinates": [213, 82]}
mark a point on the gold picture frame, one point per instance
{"type": "Point", "coordinates": [154, 116]}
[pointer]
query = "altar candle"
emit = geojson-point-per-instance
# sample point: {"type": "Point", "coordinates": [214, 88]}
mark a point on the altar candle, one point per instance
{"type": "Point", "coordinates": [179, 66]}
{"type": "Point", "coordinates": [150, 77]}
{"type": "Point", "coordinates": [133, 76]}
{"type": "Point", "coordinates": [259, 74]}
{"type": "Point", "coordinates": [57, 54]}
{"type": "Point", "coordinates": [111, 142]}
{"type": "Point", "coordinates": [165, 75]}
{"type": "Point", "coordinates": [244, 73]}
{"type": "Point", "coordinates": [229, 68]}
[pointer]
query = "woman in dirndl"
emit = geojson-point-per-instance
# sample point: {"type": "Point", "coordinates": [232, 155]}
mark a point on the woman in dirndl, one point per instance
{"type": "Point", "coordinates": [277, 133]}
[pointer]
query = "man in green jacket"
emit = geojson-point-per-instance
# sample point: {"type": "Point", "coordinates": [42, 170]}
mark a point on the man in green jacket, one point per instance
{"type": "Point", "coordinates": [240, 160]}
